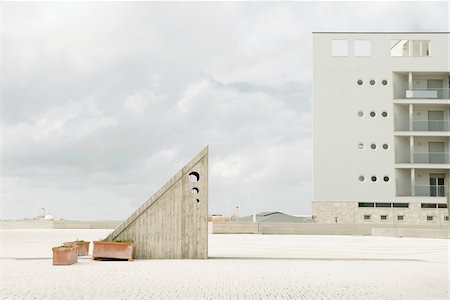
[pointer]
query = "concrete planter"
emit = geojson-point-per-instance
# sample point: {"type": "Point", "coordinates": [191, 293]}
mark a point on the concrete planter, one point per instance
{"type": "Point", "coordinates": [113, 250]}
{"type": "Point", "coordinates": [83, 247]}
{"type": "Point", "coordinates": [65, 255]}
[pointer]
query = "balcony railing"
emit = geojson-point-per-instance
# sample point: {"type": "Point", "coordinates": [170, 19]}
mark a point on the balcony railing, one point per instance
{"type": "Point", "coordinates": [431, 93]}
{"type": "Point", "coordinates": [432, 158]}
{"type": "Point", "coordinates": [430, 190]}
{"type": "Point", "coordinates": [431, 125]}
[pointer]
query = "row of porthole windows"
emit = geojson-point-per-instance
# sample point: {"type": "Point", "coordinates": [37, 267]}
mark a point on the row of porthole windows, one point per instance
{"type": "Point", "coordinates": [372, 82]}
{"type": "Point", "coordinates": [373, 146]}
{"type": "Point", "coordinates": [374, 178]}
{"type": "Point", "coordinates": [373, 114]}
{"type": "Point", "coordinates": [194, 177]}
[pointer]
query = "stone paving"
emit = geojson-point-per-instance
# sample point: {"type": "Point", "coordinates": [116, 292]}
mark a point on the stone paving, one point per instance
{"type": "Point", "coordinates": [282, 267]}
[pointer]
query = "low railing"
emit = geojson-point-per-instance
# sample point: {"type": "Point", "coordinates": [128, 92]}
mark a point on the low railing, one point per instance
{"type": "Point", "coordinates": [432, 158]}
{"type": "Point", "coordinates": [429, 125]}
{"type": "Point", "coordinates": [430, 190]}
{"type": "Point", "coordinates": [430, 93]}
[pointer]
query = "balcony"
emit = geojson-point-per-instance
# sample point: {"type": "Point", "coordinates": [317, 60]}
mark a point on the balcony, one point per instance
{"type": "Point", "coordinates": [430, 190]}
{"type": "Point", "coordinates": [429, 93]}
{"type": "Point", "coordinates": [425, 191]}
{"type": "Point", "coordinates": [429, 125]}
{"type": "Point", "coordinates": [432, 158]}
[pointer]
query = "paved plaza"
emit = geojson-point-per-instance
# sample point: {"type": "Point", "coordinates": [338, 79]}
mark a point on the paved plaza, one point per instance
{"type": "Point", "coordinates": [239, 267]}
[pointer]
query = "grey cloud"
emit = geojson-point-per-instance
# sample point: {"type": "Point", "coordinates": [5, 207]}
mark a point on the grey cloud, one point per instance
{"type": "Point", "coordinates": [102, 102]}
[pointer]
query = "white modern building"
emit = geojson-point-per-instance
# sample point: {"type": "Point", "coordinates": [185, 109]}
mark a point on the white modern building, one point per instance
{"type": "Point", "coordinates": [381, 127]}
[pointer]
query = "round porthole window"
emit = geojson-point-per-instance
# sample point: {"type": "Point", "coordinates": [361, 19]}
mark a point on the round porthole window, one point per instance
{"type": "Point", "coordinates": [372, 82]}
{"type": "Point", "coordinates": [194, 191]}
{"type": "Point", "coordinates": [384, 82]}
{"type": "Point", "coordinates": [360, 82]}
{"type": "Point", "coordinates": [373, 146]}
{"type": "Point", "coordinates": [385, 146]}
{"type": "Point", "coordinates": [386, 178]}
{"type": "Point", "coordinates": [373, 114]}
{"type": "Point", "coordinates": [361, 178]}
{"type": "Point", "coordinates": [361, 146]}
{"type": "Point", "coordinates": [360, 114]}
{"type": "Point", "coordinates": [193, 177]}
{"type": "Point", "coordinates": [374, 178]}
{"type": "Point", "coordinates": [384, 114]}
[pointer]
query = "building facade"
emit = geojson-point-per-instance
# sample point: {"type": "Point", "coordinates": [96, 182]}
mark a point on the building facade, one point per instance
{"type": "Point", "coordinates": [381, 118]}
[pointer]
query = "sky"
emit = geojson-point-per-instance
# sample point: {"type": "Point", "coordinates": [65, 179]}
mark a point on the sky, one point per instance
{"type": "Point", "coordinates": [103, 102]}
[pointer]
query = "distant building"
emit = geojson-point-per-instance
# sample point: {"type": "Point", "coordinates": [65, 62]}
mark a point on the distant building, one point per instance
{"type": "Point", "coordinates": [274, 216]}
{"type": "Point", "coordinates": [381, 114]}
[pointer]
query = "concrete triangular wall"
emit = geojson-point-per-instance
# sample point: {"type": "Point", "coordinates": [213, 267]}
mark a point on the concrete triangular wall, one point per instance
{"type": "Point", "coordinates": [173, 223]}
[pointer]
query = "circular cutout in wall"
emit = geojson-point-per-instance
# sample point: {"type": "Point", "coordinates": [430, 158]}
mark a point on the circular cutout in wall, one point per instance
{"type": "Point", "coordinates": [372, 82]}
{"type": "Point", "coordinates": [361, 178]}
{"type": "Point", "coordinates": [374, 178]}
{"type": "Point", "coordinates": [194, 191]}
{"type": "Point", "coordinates": [384, 82]}
{"type": "Point", "coordinates": [360, 82]}
{"type": "Point", "coordinates": [373, 114]}
{"type": "Point", "coordinates": [194, 177]}
{"type": "Point", "coordinates": [373, 146]}
{"type": "Point", "coordinates": [386, 178]}
{"type": "Point", "coordinates": [360, 114]}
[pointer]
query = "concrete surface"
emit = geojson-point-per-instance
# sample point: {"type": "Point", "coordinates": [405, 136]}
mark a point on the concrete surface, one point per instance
{"type": "Point", "coordinates": [173, 222]}
{"type": "Point", "coordinates": [240, 267]}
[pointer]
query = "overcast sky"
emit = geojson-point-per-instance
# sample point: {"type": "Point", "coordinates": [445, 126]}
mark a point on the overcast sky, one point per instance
{"type": "Point", "coordinates": [101, 103]}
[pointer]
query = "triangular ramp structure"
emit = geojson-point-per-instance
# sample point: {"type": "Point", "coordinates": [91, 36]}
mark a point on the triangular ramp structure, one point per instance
{"type": "Point", "coordinates": [173, 223]}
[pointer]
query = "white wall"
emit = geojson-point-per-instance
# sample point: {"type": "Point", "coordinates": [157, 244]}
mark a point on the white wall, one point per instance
{"type": "Point", "coordinates": [401, 117]}
{"type": "Point", "coordinates": [337, 99]}
{"type": "Point", "coordinates": [402, 151]}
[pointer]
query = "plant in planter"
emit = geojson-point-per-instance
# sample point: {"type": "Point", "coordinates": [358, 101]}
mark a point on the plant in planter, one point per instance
{"type": "Point", "coordinates": [83, 247]}
{"type": "Point", "coordinates": [65, 255]}
{"type": "Point", "coordinates": [120, 249]}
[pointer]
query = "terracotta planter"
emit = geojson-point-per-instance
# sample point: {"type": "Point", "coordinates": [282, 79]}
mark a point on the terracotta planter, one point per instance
{"type": "Point", "coordinates": [83, 247]}
{"type": "Point", "coordinates": [113, 250]}
{"type": "Point", "coordinates": [65, 256]}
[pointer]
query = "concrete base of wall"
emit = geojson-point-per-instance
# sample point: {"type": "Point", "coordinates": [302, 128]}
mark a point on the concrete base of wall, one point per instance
{"type": "Point", "coordinates": [324, 229]}
{"type": "Point", "coordinates": [340, 212]}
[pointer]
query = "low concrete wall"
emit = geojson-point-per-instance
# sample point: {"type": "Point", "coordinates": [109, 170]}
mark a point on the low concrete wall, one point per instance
{"type": "Point", "coordinates": [235, 228]}
{"type": "Point", "coordinates": [56, 224]}
{"type": "Point", "coordinates": [412, 232]}
{"type": "Point", "coordinates": [38, 224]}
{"type": "Point", "coordinates": [311, 228]}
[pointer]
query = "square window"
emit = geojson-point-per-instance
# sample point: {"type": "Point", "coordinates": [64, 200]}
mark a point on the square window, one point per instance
{"type": "Point", "coordinates": [420, 48]}
{"type": "Point", "coordinates": [429, 218]}
{"type": "Point", "coordinates": [446, 218]}
{"type": "Point", "coordinates": [339, 48]}
{"type": "Point", "coordinates": [383, 217]}
{"type": "Point", "coordinates": [361, 48]}
{"type": "Point", "coordinates": [400, 218]}
{"type": "Point", "coordinates": [366, 217]}
{"type": "Point", "coordinates": [399, 47]}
